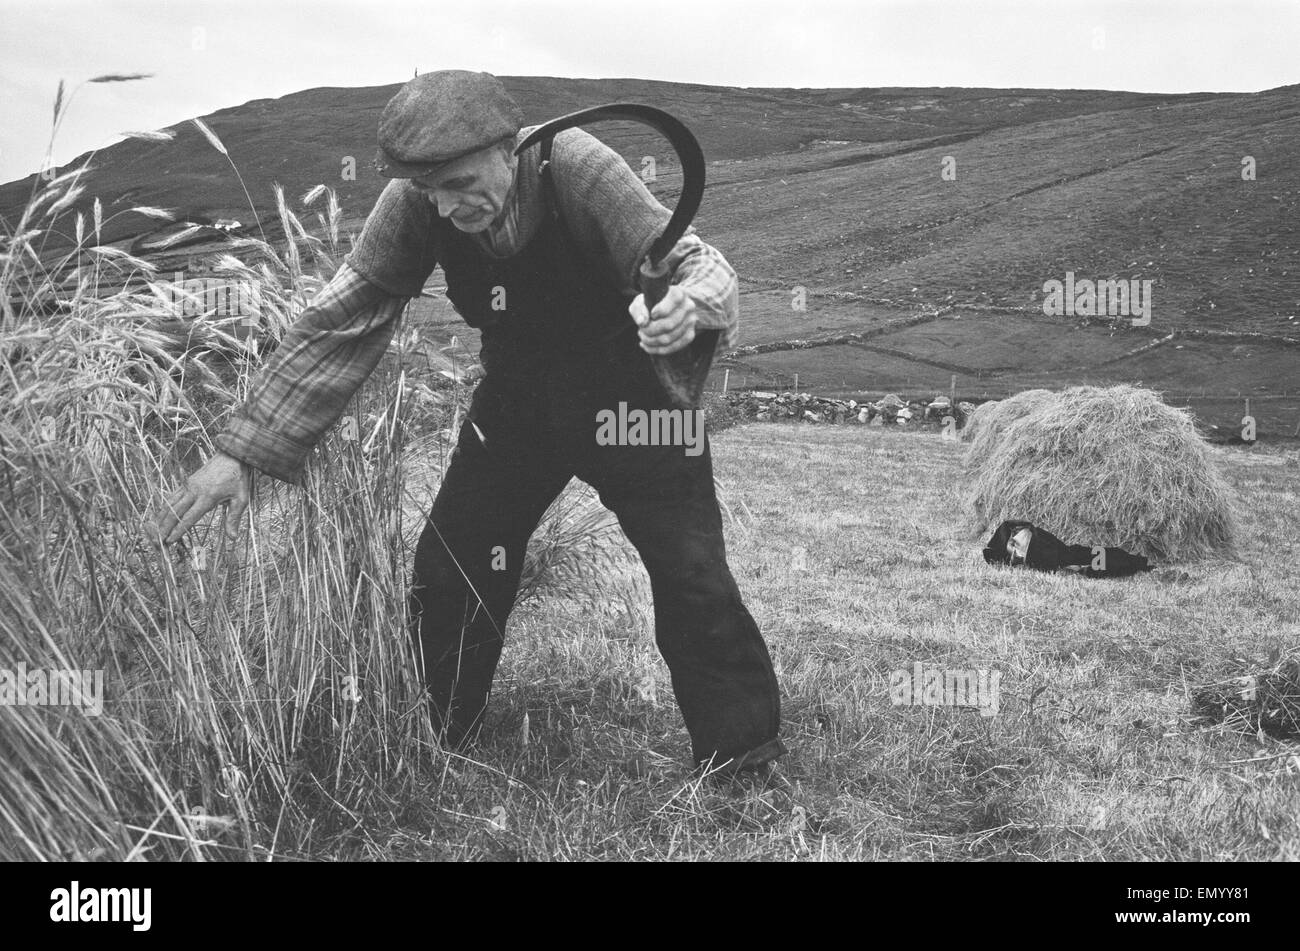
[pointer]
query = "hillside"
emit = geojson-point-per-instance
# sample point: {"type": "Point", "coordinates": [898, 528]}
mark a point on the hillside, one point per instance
{"type": "Point", "coordinates": [1151, 192]}
{"type": "Point", "coordinates": [301, 139]}
{"type": "Point", "coordinates": [840, 192]}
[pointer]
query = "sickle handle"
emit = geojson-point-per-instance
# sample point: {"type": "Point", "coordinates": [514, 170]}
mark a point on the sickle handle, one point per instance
{"type": "Point", "coordinates": [682, 374]}
{"type": "Point", "coordinates": [655, 279]}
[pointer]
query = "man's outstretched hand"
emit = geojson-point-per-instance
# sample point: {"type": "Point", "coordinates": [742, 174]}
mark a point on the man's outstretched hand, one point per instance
{"type": "Point", "coordinates": [222, 479]}
{"type": "Point", "coordinates": [670, 326]}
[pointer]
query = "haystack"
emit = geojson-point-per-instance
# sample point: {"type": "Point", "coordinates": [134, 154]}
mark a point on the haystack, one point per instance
{"type": "Point", "coordinates": [1099, 466]}
{"type": "Point", "coordinates": [990, 420]}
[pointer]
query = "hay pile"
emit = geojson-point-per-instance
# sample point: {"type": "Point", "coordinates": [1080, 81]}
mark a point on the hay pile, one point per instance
{"type": "Point", "coordinates": [1099, 466]}
{"type": "Point", "coordinates": [990, 420]}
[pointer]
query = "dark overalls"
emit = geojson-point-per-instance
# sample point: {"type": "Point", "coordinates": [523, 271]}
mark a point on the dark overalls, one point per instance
{"type": "Point", "coordinates": [563, 348]}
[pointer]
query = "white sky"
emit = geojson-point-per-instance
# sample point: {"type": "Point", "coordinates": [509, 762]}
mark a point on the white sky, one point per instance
{"type": "Point", "coordinates": [208, 54]}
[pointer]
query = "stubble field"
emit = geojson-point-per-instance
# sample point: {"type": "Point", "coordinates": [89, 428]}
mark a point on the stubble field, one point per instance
{"type": "Point", "coordinates": [1093, 752]}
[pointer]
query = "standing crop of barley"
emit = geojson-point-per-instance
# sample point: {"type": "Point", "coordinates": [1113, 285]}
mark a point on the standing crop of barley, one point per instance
{"type": "Point", "coordinates": [541, 254]}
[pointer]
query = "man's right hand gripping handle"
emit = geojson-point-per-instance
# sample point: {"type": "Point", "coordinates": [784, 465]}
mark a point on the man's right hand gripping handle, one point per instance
{"type": "Point", "coordinates": [223, 479]}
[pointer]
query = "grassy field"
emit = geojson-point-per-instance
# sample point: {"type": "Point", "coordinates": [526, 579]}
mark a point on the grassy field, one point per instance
{"type": "Point", "coordinates": [229, 731]}
{"type": "Point", "coordinates": [259, 702]}
{"type": "Point", "coordinates": [1092, 754]}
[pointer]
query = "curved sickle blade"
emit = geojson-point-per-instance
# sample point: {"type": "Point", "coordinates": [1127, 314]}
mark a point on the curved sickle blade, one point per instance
{"type": "Point", "coordinates": [682, 374]}
{"type": "Point", "coordinates": [678, 136]}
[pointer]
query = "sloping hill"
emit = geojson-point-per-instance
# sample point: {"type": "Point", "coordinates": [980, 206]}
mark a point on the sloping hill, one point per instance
{"type": "Point", "coordinates": [304, 138]}
{"type": "Point", "coordinates": [976, 109]}
{"type": "Point", "coordinates": [838, 194]}
{"type": "Point", "coordinates": [1152, 192]}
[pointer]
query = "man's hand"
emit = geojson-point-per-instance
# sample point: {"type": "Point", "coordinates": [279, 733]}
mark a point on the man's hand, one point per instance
{"type": "Point", "coordinates": [670, 326]}
{"type": "Point", "coordinates": [222, 479]}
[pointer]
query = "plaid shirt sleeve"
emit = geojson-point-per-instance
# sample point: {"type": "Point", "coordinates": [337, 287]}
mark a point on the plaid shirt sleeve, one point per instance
{"type": "Point", "coordinates": [610, 211]}
{"type": "Point", "coordinates": [325, 356]}
{"type": "Point", "coordinates": [395, 249]}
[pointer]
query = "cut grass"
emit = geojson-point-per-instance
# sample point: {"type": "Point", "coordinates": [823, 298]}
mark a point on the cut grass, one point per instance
{"type": "Point", "coordinates": [1095, 753]}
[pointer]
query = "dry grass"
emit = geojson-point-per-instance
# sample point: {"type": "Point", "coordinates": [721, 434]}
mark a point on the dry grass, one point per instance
{"type": "Point", "coordinates": [227, 707]}
{"type": "Point", "coordinates": [1100, 466]}
{"type": "Point", "coordinates": [1097, 752]}
{"type": "Point", "coordinates": [988, 424]}
{"type": "Point", "coordinates": [259, 701]}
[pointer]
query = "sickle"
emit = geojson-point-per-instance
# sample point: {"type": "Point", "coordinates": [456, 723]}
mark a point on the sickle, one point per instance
{"type": "Point", "coordinates": [683, 373]}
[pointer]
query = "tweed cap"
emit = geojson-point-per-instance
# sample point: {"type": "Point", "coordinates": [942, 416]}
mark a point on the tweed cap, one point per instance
{"type": "Point", "coordinates": [441, 116]}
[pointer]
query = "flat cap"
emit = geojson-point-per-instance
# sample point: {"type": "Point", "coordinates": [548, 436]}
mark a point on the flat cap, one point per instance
{"type": "Point", "coordinates": [438, 117]}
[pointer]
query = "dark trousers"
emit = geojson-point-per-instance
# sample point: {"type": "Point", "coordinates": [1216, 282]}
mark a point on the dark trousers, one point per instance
{"type": "Point", "coordinates": [495, 491]}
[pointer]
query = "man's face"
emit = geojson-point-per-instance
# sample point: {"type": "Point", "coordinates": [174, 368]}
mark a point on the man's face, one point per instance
{"type": "Point", "coordinates": [472, 190]}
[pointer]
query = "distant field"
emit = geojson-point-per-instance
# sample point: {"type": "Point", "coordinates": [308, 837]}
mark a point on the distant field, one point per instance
{"type": "Point", "coordinates": [991, 355]}
{"type": "Point", "coordinates": [1152, 193]}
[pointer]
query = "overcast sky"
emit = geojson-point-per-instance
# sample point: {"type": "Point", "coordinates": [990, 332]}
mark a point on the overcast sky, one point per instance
{"type": "Point", "coordinates": [208, 54]}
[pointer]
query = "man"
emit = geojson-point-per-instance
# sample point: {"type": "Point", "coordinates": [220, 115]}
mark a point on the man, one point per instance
{"type": "Point", "coordinates": [540, 253]}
